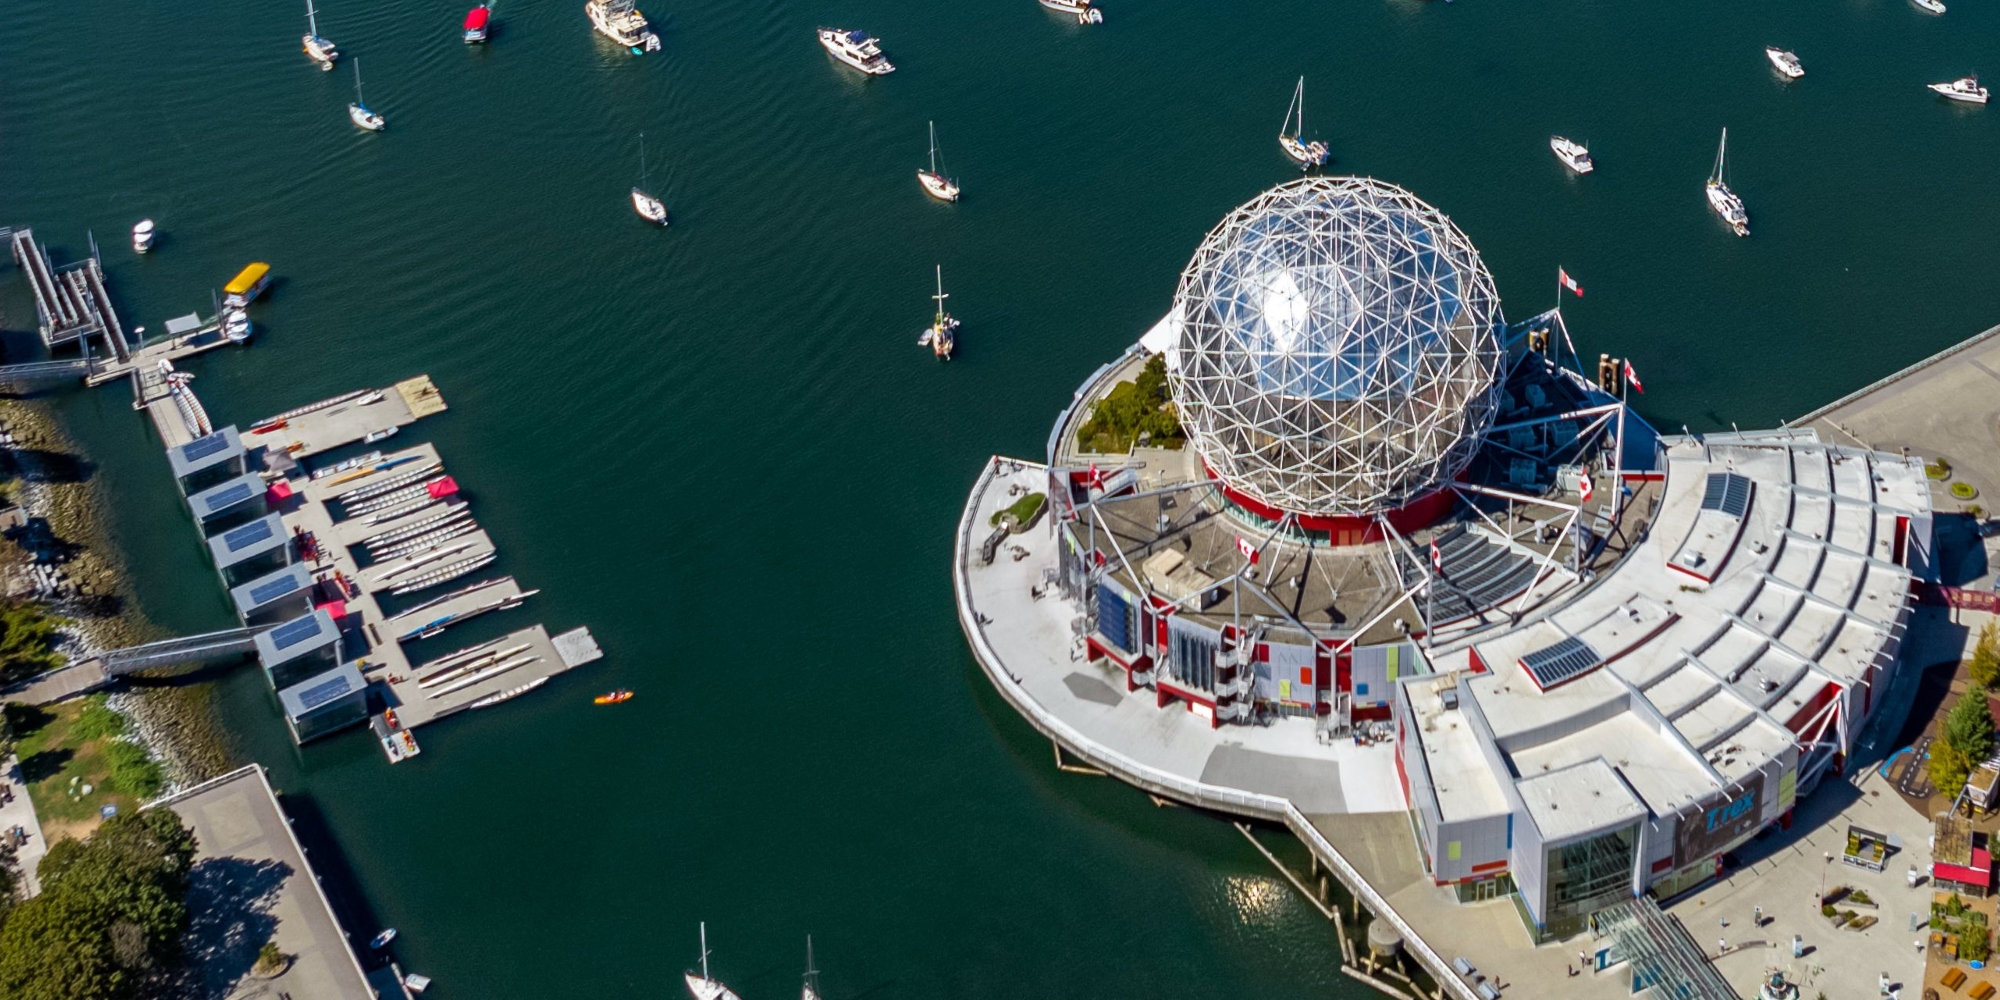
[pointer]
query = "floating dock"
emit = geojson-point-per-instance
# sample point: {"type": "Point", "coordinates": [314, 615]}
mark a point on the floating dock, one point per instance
{"type": "Point", "coordinates": [71, 302]}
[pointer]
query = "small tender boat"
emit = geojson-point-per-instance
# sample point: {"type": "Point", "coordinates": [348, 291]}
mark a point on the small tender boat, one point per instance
{"type": "Point", "coordinates": [857, 49]}
{"type": "Point", "coordinates": [651, 209]}
{"type": "Point", "coordinates": [381, 941]}
{"type": "Point", "coordinates": [477, 22]}
{"type": "Point", "coordinates": [358, 112]}
{"type": "Point", "coordinates": [319, 50]}
{"type": "Point", "coordinates": [934, 182]}
{"type": "Point", "coordinates": [1965, 89]}
{"type": "Point", "coordinates": [941, 336]}
{"type": "Point", "coordinates": [1785, 61]}
{"type": "Point", "coordinates": [416, 983]}
{"type": "Point", "coordinates": [621, 22]}
{"type": "Point", "coordinates": [1291, 136]}
{"type": "Point", "coordinates": [235, 326]}
{"type": "Point", "coordinates": [1085, 11]}
{"type": "Point", "coordinates": [1929, 6]}
{"type": "Point", "coordinates": [382, 435]}
{"type": "Point", "coordinates": [1572, 153]}
{"type": "Point", "coordinates": [142, 236]}
{"type": "Point", "coordinates": [1724, 201]}
{"type": "Point", "coordinates": [612, 697]}
{"type": "Point", "coordinates": [705, 987]}
{"type": "Point", "coordinates": [247, 285]}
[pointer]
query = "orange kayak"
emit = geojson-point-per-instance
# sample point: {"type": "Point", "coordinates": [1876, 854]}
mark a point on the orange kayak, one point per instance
{"type": "Point", "coordinates": [613, 698]}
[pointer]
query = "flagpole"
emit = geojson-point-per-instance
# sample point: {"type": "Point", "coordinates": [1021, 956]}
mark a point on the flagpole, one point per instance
{"type": "Point", "coordinates": [1624, 387]}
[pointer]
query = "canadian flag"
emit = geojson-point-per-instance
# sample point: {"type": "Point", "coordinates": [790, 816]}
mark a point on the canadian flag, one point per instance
{"type": "Point", "coordinates": [1249, 551]}
{"type": "Point", "coordinates": [1095, 480]}
{"type": "Point", "coordinates": [1437, 558]}
{"type": "Point", "coordinates": [1583, 490]}
{"type": "Point", "coordinates": [1633, 377]}
{"type": "Point", "coordinates": [1569, 282]}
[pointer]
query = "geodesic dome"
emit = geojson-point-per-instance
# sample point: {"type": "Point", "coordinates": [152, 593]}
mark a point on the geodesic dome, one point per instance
{"type": "Point", "coordinates": [1338, 347]}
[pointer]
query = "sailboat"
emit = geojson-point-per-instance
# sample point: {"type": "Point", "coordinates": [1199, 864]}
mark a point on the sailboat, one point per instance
{"type": "Point", "coordinates": [810, 991]}
{"type": "Point", "coordinates": [939, 338]}
{"type": "Point", "coordinates": [934, 182]}
{"type": "Point", "coordinates": [319, 50]}
{"type": "Point", "coordinates": [704, 987]}
{"type": "Point", "coordinates": [1292, 135]}
{"type": "Point", "coordinates": [358, 111]}
{"type": "Point", "coordinates": [1724, 201]}
{"type": "Point", "coordinates": [649, 208]}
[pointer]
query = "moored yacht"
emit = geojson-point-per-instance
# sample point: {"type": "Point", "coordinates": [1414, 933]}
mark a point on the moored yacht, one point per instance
{"type": "Point", "coordinates": [651, 209]}
{"type": "Point", "coordinates": [1929, 6]}
{"type": "Point", "coordinates": [235, 325]}
{"type": "Point", "coordinates": [1085, 11]}
{"type": "Point", "coordinates": [941, 337]}
{"type": "Point", "coordinates": [938, 185]}
{"type": "Point", "coordinates": [1291, 136]}
{"type": "Point", "coordinates": [142, 236]}
{"type": "Point", "coordinates": [1965, 89]}
{"type": "Point", "coordinates": [358, 112]}
{"type": "Point", "coordinates": [1785, 61]}
{"type": "Point", "coordinates": [1724, 201]}
{"type": "Point", "coordinates": [1572, 153]}
{"type": "Point", "coordinates": [319, 50]}
{"type": "Point", "coordinates": [478, 21]}
{"type": "Point", "coordinates": [704, 987]}
{"type": "Point", "coordinates": [621, 22]}
{"type": "Point", "coordinates": [857, 49]}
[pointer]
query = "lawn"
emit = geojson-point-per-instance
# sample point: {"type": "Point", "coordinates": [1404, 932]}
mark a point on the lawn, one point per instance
{"type": "Point", "coordinates": [64, 748]}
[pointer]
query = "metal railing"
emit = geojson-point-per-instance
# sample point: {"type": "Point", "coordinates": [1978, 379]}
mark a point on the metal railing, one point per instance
{"type": "Point", "coordinates": [185, 649]}
{"type": "Point", "coordinates": [1149, 778]}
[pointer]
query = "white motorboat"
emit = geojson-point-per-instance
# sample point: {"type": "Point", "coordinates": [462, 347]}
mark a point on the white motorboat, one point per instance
{"type": "Point", "coordinates": [857, 49]}
{"type": "Point", "coordinates": [1785, 61]}
{"type": "Point", "coordinates": [1965, 89]}
{"type": "Point", "coordinates": [1085, 11]}
{"type": "Point", "coordinates": [1929, 6]}
{"type": "Point", "coordinates": [1573, 154]}
{"type": "Point", "coordinates": [621, 22]}
{"type": "Point", "coordinates": [941, 336]}
{"type": "Point", "coordinates": [810, 989]}
{"type": "Point", "coordinates": [381, 941]}
{"type": "Point", "coordinates": [358, 112]}
{"type": "Point", "coordinates": [142, 236]}
{"type": "Point", "coordinates": [939, 186]}
{"type": "Point", "coordinates": [236, 326]}
{"type": "Point", "coordinates": [1291, 135]}
{"type": "Point", "coordinates": [651, 209]}
{"type": "Point", "coordinates": [704, 986]}
{"type": "Point", "coordinates": [318, 49]}
{"type": "Point", "coordinates": [1724, 201]}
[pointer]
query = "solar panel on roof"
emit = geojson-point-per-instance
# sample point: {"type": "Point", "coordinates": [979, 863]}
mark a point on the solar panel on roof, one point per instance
{"type": "Point", "coordinates": [234, 495]}
{"type": "Point", "coordinates": [319, 694]}
{"type": "Point", "coordinates": [249, 534]}
{"type": "Point", "coordinates": [1567, 659]}
{"type": "Point", "coordinates": [265, 593]}
{"type": "Point", "coordinates": [202, 447]}
{"type": "Point", "coordinates": [294, 632]}
{"type": "Point", "coordinates": [1727, 492]}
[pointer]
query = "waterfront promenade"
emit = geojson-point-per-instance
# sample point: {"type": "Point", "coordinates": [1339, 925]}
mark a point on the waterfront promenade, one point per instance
{"type": "Point", "coordinates": [252, 883]}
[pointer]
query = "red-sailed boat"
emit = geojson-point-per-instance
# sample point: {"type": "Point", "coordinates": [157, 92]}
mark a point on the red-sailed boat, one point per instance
{"type": "Point", "coordinates": [475, 23]}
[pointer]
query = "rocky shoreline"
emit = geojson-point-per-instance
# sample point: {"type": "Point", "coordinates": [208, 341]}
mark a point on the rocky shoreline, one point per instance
{"type": "Point", "coordinates": [87, 583]}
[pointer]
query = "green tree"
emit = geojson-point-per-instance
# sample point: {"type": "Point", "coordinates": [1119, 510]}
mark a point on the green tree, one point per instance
{"type": "Point", "coordinates": [1985, 663]}
{"type": "Point", "coordinates": [28, 638]}
{"type": "Point", "coordinates": [111, 907]}
{"type": "Point", "coordinates": [1963, 741]}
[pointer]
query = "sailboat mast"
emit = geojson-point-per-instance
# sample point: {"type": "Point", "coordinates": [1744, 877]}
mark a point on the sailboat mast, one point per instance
{"type": "Point", "coordinates": [934, 147]}
{"type": "Point", "coordinates": [1300, 134]}
{"type": "Point", "coordinates": [642, 183]}
{"type": "Point", "coordinates": [1720, 152]}
{"type": "Point", "coordinates": [357, 83]}
{"type": "Point", "coordinates": [312, 23]}
{"type": "Point", "coordinates": [940, 296]}
{"type": "Point", "coordinates": [704, 952]}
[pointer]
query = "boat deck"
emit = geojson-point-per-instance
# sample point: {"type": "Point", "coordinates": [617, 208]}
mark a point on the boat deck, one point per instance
{"type": "Point", "coordinates": [343, 421]}
{"type": "Point", "coordinates": [516, 659]}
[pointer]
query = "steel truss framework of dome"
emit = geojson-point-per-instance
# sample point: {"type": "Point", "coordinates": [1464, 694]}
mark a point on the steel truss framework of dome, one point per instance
{"type": "Point", "coordinates": [1338, 351]}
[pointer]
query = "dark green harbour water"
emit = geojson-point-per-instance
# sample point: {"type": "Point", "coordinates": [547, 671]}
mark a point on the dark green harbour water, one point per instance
{"type": "Point", "coordinates": [720, 447]}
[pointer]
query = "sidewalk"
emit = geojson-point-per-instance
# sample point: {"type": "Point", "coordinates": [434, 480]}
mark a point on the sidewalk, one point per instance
{"type": "Point", "coordinates": [21, 812]}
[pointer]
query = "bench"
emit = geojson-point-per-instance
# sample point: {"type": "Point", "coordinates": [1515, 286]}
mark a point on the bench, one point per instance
{"type": "Point", "coordinates": [1953, 979]}
{"type": "Point", "coordinates": [1982, 991]}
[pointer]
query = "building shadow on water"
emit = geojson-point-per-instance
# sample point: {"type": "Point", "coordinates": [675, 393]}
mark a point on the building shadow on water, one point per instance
{"type": "Point", "coordinates": [229, 919]}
